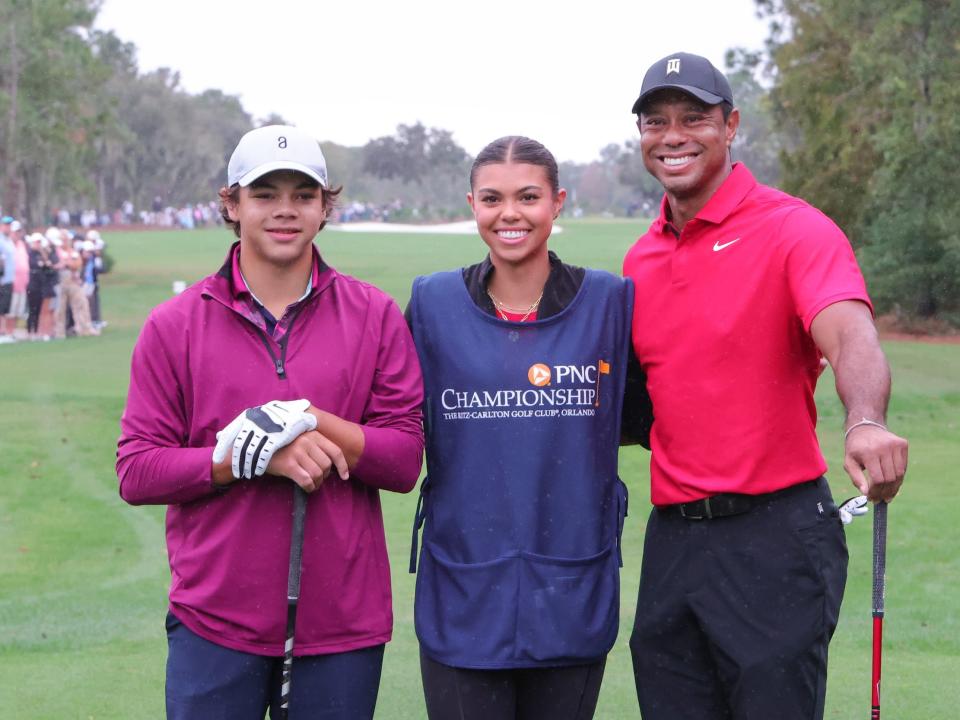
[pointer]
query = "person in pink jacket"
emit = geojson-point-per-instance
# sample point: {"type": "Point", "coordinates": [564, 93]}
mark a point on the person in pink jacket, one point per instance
{"type": "Point", "coordinates": [274, 330]}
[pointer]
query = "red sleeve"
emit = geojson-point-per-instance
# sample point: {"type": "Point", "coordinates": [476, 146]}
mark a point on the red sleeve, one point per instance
{"type": "Point", "coordinates": [153, 465]}
{"type": "Point", "coordinates": [820, 265]}
{"type": "Point", "coordinates": [392, 420]}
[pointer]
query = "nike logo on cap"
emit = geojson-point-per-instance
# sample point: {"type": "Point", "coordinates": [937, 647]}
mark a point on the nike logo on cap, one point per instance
{"type": "Point", "coordinates": [717, 247]}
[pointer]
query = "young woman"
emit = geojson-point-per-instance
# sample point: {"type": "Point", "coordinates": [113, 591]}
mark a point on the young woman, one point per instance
{"type": "Point", "coordinates": [524, 361]}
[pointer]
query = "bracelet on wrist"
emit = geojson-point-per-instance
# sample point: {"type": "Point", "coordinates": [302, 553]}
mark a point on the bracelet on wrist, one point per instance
{"type": "Point", "coordinates": [863, 421]}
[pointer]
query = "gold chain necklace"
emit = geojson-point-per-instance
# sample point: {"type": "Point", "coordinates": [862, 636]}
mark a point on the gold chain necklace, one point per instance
{"type": "Point", "coordinates": [503, 309]}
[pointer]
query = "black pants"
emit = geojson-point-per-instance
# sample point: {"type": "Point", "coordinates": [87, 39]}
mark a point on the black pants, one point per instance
{"type": "Point", "coordinates": [34, 302]}
{"type": "Point", "coordinates": [735, 613]}
{"type": "Point", "coordinates": [95, 304]}
{"type": "Point", "coordinates": [561, 693]}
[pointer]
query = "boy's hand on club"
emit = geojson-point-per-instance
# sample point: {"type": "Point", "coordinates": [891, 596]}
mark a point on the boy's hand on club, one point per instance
{"type": "Point", "coordinates": [257, 433]}
{"type": "Point", "coordinates": [308, 461]}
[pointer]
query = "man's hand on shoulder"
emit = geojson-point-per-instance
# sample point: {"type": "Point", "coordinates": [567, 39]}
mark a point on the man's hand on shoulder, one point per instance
{"type": "Point", "coordinates": [875, 459]}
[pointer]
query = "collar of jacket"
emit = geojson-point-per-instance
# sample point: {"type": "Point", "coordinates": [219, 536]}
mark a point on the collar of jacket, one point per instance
{"type": "Point", "coordinates": [223, 288]}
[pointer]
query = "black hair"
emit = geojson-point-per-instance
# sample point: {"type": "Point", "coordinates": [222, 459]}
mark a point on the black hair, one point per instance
{"type": "Point", "coordinates": [518, 149]}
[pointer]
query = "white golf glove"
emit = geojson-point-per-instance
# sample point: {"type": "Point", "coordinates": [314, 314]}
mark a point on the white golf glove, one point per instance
{"type": "Point", "coordinates": [854, 507]}
{"type": "Point", "coordinates": [257, 433]}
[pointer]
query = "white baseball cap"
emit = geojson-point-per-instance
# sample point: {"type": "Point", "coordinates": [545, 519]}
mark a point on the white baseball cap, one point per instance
{"type": "Point", "coordinates": [276, 147]}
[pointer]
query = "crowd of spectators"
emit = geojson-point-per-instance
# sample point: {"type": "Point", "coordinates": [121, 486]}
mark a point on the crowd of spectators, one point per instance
{"type": "Point", "coordinates": [201, 215]}
{"type": "Point", "coordinates": [50, 281]}
{"type": "Point", "coordinates": [360, 211]}
{"type": "Point", "coordinates": [160, 215]}
{"type": "Point", "coordinates": [186, 217]}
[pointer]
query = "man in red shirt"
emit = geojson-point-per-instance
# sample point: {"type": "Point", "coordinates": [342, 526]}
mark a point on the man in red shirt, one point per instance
{"type": "Point", "coordinates": [741, 290]}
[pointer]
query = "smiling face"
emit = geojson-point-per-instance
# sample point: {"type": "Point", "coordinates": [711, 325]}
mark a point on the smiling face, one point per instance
{"type": "Point", "coordinates": [279, 215]}
{"type": "Point", "coordinates": [686, 144]}
{"type": "Point", "coordinates": [515, 206]}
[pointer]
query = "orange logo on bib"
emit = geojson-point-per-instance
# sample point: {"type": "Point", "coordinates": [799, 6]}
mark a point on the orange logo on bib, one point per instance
{"type": "Point", "coordinates": [539, 375]}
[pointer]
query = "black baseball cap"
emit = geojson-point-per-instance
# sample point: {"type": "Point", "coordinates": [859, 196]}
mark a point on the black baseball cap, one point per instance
{"type": "Point", "coordinates": [690, 73]}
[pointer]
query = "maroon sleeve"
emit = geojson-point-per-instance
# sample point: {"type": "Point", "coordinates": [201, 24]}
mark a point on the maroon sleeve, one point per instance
{"type": "Point", "coordinates": [820, 265]}
{"type": "Point", "coordinates": [153, 465]}
{"type": "Point", "coordinates": [392, 420]}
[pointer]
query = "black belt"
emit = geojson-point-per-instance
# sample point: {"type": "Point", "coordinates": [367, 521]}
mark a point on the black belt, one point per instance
{"type": "Point", "coordinates": [727, 504]}
{"type": "Point", "coordinates": [715, 506]}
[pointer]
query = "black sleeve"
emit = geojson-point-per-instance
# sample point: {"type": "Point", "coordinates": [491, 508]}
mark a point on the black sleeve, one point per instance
{"type": "Point", "coordinates": [637, 406]}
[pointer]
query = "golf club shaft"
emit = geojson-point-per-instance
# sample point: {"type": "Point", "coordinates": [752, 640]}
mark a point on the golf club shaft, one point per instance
{"type": "Point", "coordinates": [879, 589]}
{"type": "Point", "coordinates": [875, 687]}
{"type": "Point", "coordinates": [293, 593]}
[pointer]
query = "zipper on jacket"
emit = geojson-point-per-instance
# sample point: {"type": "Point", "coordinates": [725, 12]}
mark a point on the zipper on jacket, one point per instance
{"type": "Point", "coordinates": [279, 363]}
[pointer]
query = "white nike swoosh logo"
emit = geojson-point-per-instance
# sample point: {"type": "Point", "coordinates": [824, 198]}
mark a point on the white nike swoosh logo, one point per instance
{"type": "Point", "coordinates": [717, 247]}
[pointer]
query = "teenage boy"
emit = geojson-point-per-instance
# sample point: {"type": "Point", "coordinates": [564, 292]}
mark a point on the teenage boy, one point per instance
{"type": "Point", "coordinates": [740, 291]}
{"type": "Point", "coordinates": [274, 331]}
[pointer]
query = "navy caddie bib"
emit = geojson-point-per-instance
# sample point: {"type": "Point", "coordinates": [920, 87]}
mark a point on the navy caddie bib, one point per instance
{"type": "Point", "coordinates": [522, 508]}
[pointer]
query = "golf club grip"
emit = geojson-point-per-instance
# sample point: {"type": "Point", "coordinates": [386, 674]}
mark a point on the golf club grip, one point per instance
{"type": "Point", "coordinates": [879, 583]}
{"type": "Point", "coordinates": [296, 543]}
{"type": "Point", "coordinates": [879, 556]}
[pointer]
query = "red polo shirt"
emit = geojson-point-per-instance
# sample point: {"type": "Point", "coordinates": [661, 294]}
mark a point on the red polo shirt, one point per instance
{"type": "Point", "coordinates": [721, 327]}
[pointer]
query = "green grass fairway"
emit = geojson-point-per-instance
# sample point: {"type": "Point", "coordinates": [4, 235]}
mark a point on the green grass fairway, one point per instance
{"type": "Point", "coordinates": [83, 577]}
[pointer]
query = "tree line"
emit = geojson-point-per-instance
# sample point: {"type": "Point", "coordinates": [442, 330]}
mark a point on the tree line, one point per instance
{"type": "Point", "coordinates": [852, 105]}
{"type": "Point", "coordinates": [865, 93]}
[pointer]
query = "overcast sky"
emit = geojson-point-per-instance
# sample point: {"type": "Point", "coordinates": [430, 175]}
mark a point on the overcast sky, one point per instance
{"type": "Point", "coordinates": [565, 73]}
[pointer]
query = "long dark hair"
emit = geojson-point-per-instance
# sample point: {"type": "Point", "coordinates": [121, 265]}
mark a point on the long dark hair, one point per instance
{"type": "Point", "coordinates": [518, 149]}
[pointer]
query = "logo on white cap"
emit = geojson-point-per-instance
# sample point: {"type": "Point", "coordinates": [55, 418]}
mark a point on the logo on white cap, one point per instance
{"type": "Point", "coordinates": [673, 66]}
{"type": "Point", "coordinates": [276, 147]}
